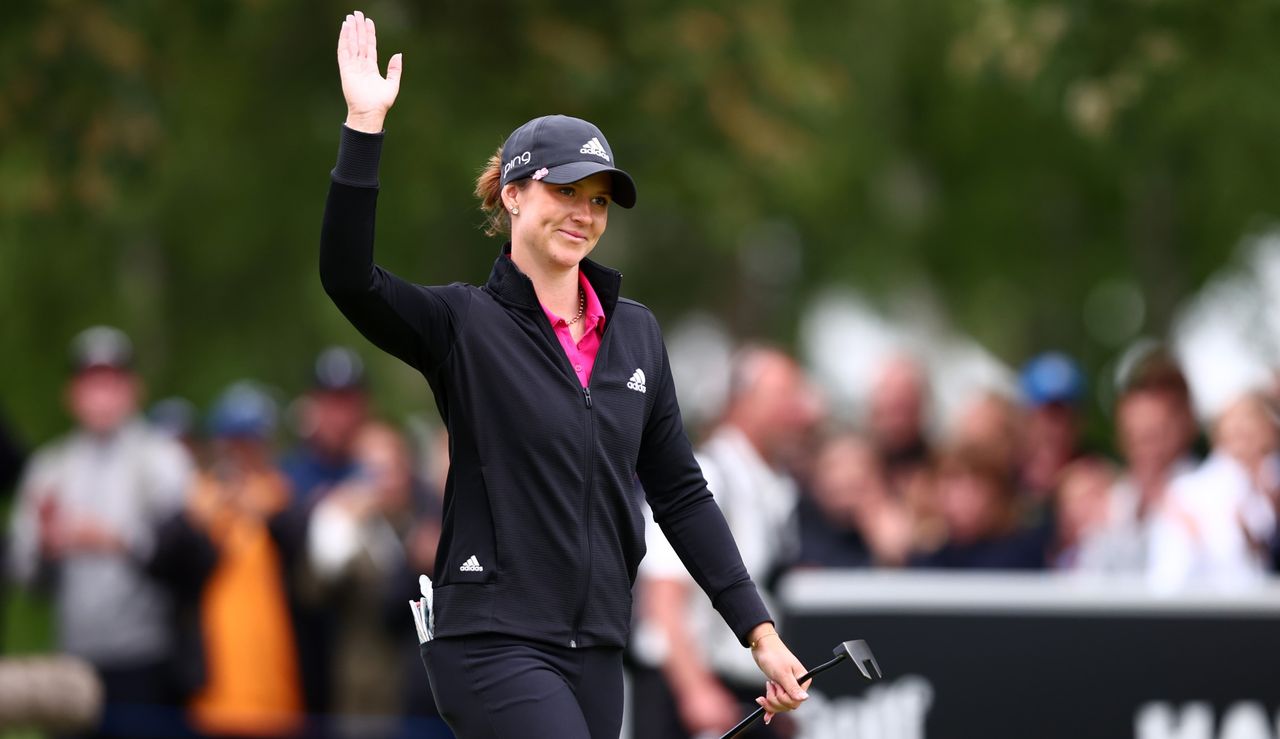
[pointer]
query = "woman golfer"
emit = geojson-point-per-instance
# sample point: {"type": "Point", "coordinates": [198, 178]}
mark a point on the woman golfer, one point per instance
{"type": "Point", "coordinates": [557, 394]}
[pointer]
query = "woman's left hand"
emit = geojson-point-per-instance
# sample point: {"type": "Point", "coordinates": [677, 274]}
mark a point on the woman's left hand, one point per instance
{"type": "Point", "coordinates": [782, 691]}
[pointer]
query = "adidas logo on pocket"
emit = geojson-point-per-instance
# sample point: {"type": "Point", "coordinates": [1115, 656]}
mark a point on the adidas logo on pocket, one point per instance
{"type": "Point", "coordinates": [471, 565]}
{"type": "Point", "coordinates": [637, 381]}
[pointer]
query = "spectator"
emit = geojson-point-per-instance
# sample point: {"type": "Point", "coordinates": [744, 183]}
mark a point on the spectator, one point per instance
{"type": "Point", "coordinates": [253, 687]}
{"type": "Point", "coordinates": [330, 416]}
{"type": "Point", "coordinates": [1052, 387]}
{"type": "Point", "coordinates": [1217, 523]}
{"type": "Point", "coordinates": [88, 509]}
{"type": "Point", "coordinates": [357, 544]}
{"type": "Point", "coordinates": [1155, 431]}
{"type": "Point", "coordinates": [711, 679]}
{"type": "Point", "coordinates": [896, 423]}
{"type": "Point", "coordinates": [979, 504]}
{"type": "Point", "coordinates": [1080, 508]}
{"type": "Point", "coordinates": [418, 711]}
{"type": "Point", "coordinates": [177, 418]}
{"type": "Point", "coordinates": [990, 421]}
{"type": "Point", "coordinates": [849, 519]}
{"type": "Point", "coordinates": [421, 716]}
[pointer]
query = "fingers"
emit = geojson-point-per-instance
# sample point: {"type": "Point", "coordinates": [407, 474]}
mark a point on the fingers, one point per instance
{"type": "Point", "coordinates": [792, 688]}
{"type": "Point", "coordinates": [769, 702]}
{"type": "Point", "coordinates": [361, 42]}
{"type": "Point", "coordinates": [393, 69]}
{"type": "Point", "coordinates": [779, 698]}
{"type": "Point", "coordinates": [358, 39]}
{"type": "Point", "coordinates": [764, 703]}
{"type": "Point", "coordinates": [345, 40]}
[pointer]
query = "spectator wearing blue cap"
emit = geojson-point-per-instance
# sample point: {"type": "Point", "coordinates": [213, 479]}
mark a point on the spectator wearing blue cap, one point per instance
{"type": "Point", "coordinates": [1053, 388]}
{"type": "Point", "coordinates": [253, 686]}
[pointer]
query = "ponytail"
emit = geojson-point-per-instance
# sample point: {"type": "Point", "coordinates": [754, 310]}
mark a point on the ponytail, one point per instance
{"type": "Point", "coordinates": [489, 191]}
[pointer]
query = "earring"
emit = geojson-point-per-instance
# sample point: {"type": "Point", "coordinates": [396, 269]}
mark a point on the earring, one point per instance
{"type": "Point", "coordinates": [515, 211]}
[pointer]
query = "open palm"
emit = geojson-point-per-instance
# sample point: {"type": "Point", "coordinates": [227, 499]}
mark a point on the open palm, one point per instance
{"type": "Point", "coordinates": [369, 95]}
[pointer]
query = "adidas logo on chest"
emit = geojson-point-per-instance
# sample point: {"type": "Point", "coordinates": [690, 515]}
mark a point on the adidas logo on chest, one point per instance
{"type": "Point", "coordinates": [637, 381]}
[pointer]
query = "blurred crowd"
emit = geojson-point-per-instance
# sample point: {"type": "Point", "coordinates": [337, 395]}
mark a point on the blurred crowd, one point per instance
{"type": "Point", "coordinates": [220, 583]}
{"type": "Point", "coordinates": [1006, 483]}
{"type": "Point", "coordinates": [227, 579]}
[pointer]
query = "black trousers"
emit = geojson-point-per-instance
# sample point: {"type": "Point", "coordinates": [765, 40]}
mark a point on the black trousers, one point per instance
{"type": "Point", "coordinates": [492, 686]}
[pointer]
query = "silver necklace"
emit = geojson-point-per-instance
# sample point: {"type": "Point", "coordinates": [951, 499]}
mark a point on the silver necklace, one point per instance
{"type": "Point", "coordinates": [582, 306]}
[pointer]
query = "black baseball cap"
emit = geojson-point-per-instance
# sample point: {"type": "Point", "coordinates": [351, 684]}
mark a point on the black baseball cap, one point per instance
{"type": "Point", "coordinates": [561, 149]}
{"type": "Point", "coordinates": [104, 347]}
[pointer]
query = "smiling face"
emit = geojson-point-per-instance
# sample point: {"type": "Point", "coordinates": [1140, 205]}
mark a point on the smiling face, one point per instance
{"type": "Point", "coordinates": [558, 225]}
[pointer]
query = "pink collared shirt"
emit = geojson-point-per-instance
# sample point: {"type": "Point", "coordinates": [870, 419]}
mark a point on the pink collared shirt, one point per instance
{"type": "Point", "coordinates": [582, 355]}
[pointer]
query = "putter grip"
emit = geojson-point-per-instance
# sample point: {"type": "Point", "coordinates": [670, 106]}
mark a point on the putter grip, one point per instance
{"type": "Point", "coordinates": [749, 720]}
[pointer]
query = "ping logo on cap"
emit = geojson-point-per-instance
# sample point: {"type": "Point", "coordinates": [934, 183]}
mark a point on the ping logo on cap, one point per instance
{"type": "Point", "coordinates": [520, 159]}
{"type": "Point", "coordinates": [593, 147]}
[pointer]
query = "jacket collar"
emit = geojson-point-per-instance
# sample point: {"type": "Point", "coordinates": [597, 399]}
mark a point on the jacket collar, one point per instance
{"type": "Point", "coordinates": [513, 287]}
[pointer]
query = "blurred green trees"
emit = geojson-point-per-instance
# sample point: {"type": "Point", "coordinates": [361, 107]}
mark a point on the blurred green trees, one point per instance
{"type": "Point", "coordinates": [163, 165]}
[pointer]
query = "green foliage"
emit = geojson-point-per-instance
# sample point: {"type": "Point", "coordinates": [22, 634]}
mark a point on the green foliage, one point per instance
{"type": "Point", "coordinates": [164, 164]}
{"type": "Point", "coordinates": [27, 619]}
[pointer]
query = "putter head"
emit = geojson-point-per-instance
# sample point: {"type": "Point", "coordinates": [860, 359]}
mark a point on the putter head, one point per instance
{"type": "Point", "coordinates": [858, 651]}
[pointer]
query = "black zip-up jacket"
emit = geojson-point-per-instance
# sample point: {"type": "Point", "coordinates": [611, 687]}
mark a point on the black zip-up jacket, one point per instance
{"type": "Point", "coordinates": [542, 530]}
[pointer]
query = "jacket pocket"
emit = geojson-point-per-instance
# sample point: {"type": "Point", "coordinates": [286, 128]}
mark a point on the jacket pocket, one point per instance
{"type": "Point", "coordinates": [471, 554]}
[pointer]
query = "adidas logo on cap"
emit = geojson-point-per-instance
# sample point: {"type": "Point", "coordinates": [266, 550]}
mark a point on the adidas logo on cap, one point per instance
{"type": "Point", "coordinates": [471, 565]}
{"type": "Point", "coordinates": [637, 381]}
{"type": "Point", "coordinates": [593, 147]}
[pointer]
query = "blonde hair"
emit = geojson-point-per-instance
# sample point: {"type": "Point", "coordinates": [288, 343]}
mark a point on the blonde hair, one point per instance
{"type": "Point", "coordinates": [489, 190]}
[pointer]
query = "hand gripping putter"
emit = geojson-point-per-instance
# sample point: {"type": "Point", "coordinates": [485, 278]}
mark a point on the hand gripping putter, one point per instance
{"type": "Point", "coordinates": [856, 650]}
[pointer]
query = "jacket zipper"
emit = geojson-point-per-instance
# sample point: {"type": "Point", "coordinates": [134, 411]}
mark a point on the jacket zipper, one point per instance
{"type": "Point", "coordinates": [586, 519]}
{"type": "Point", "coordinates": [588, 480]}
{"type": "Point", "coordinates": [549, 333]}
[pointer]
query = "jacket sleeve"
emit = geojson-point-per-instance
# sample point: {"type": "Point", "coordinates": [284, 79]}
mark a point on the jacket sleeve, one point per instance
{"type": "Point", "coordinates": [684, 508]}
{"type": "Point", "coordinates": [414, 323]}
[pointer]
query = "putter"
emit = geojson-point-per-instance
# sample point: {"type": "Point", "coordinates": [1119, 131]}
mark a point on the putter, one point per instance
{"type": "Point", "coordinates": [857, 650]}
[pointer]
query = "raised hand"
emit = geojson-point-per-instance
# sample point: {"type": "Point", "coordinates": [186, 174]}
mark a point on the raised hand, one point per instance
{"type": "Point", "coordinates": [369, 95]}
